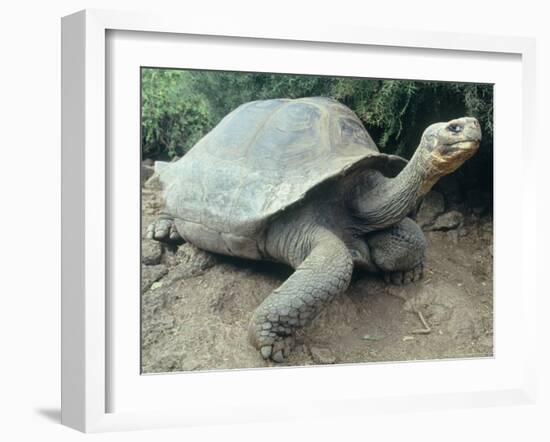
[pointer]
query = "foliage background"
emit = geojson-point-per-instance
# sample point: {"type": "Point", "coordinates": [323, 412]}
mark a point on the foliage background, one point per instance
{"type": "Point", "coordinates": [180, 106]}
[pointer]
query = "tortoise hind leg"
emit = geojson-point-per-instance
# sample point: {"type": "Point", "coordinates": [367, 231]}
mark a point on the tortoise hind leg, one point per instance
{"type": "Point", "coordinates": [399, 251]}
{"type": "Point", "coordinates": [324, 273]}
{"type": "Point", "coordinates": [163, 229]}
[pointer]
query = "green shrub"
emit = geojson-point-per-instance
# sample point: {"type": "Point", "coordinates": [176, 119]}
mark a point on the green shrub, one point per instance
{"type": "Point", "coordinates": [180, 106]}
{"type": "Point", "coordinates": [173, 117]}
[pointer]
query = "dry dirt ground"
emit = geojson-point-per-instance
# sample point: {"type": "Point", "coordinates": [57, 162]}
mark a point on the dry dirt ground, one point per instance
{"type": "Point", "coordinates": [196, 306]}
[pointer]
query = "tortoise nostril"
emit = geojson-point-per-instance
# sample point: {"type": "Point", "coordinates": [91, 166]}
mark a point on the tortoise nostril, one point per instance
{"type": "Point", "coordinates": [471, 121]}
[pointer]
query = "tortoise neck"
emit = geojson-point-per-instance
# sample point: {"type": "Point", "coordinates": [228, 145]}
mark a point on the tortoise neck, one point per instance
{"type": "Point", "coordinates": [389, 200]}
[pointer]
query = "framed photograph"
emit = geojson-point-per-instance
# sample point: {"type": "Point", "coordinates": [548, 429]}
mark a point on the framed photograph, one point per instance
{"type": "Point", "coordinates": [256, 214]}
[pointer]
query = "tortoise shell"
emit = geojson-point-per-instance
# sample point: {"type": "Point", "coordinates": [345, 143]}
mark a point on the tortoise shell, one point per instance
{"type": "Point", "coordinates": [261, 159]}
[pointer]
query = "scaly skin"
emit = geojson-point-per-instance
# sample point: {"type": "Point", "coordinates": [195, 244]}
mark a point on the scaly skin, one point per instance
{"type": "Point", "coordinates": [323, 274]}
{"type": "Point", "coordinates": [399, 251]}
{"type": "Point", "coordinates": [310, 240]}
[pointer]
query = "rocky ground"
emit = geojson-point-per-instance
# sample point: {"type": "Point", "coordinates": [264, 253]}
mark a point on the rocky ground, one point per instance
{"type": "Point", "coordinates": [196, 306]}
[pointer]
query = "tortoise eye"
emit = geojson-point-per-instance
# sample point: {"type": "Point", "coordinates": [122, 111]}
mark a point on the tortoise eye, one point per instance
{"type": "Point", "coordinates": [455, 128]}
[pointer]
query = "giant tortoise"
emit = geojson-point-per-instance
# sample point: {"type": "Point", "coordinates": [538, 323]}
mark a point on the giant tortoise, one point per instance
{"type": "Point", "coordinates": [301, 182]}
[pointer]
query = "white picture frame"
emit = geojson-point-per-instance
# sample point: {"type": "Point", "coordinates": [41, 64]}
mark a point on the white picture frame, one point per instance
{"type": "Point", "coordinates": [87, 314]}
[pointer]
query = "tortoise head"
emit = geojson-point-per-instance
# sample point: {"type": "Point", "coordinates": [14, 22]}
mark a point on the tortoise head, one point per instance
{"type": "Point", "coordinates": [443, 149]}
{"type": "Point", "coordinates": [445, 146]}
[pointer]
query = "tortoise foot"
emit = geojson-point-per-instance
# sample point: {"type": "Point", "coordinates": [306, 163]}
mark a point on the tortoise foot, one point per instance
{"type": "Point", "coordinates": [279, 350]}
{"type": "Point", "coordinates": [273, 345]}
{"type": "Point", "coordinates": [404, 277]}
{"type": "Point", "coordinates": [163, 229]}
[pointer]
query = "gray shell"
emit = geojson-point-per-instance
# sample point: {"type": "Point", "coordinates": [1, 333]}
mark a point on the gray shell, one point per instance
{"type": "Point", "coordinates": [259, 160]}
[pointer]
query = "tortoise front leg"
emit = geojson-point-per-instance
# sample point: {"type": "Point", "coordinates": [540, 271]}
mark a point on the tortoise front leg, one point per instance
{"type": "Point", "coordinates": [399, 251]}
{"type": "Point", "coordinates": [324, 273]}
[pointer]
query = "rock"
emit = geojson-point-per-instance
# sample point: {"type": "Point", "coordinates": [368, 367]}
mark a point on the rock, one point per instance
{"type": "Point", "coordinates": [156, 285]}
{"type": "Point", "coordinates": [191, 261]}
{"type": "Point", "coordinates": [151, 252]}
{"type": "Point", "coordinates": [195, 257]}
{"type": "Point", "coordinates": [432, 206]}
{"type": "Point", "coordinates": [322, 355]}
{"type": "Point", "coordinates": [151, 274]}
{"type": "Point", "coordinates": [448, 221]}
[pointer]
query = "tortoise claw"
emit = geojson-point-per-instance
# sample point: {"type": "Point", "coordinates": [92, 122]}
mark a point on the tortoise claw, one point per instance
{"type": "Point", "coordinates": [404, 277]}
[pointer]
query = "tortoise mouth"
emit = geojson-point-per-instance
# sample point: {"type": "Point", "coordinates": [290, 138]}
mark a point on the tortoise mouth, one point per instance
{"type": "Point", "coordinates": [451, 156]}
{"type": "Point", "coordinates": [465, 145]}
